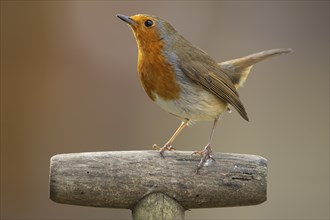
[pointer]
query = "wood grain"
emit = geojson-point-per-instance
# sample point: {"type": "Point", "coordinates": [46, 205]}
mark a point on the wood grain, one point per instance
{"type": "Point", "coordinates": [120, 179]}
{"type": "Point", "coordinates": [158, 206]}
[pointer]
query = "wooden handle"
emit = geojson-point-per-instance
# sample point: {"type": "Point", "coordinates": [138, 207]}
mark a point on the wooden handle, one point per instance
{"type": "Point", "coordinates": [120, 179]}
{"type": "Point", "coordinates": [157, 206]}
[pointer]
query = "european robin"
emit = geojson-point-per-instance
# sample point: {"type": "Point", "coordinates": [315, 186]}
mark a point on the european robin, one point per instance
{"type": "Point", "coordinates": [184, 80]}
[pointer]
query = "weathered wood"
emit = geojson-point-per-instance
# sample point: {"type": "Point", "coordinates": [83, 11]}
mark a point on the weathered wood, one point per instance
{"type": "Point", "coordinates": [158, 206]}
{"type": "Point", "coordinates": [120, 179]}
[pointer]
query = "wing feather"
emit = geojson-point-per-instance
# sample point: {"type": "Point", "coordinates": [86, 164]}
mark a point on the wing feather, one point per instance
{"type": "Point", "coordinates": [206, 72]}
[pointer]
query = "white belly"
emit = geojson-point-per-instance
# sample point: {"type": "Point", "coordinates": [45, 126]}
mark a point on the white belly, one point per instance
{"type": "Point", "coordinates": [195, 104]}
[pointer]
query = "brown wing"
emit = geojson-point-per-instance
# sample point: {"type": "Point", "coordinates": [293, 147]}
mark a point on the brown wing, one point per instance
{"type": "Point", "coordinates": [199, 67]}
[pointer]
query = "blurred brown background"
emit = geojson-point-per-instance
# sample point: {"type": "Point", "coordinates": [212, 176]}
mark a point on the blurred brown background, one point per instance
{"type": "Point", "coordinates": [69, 84]}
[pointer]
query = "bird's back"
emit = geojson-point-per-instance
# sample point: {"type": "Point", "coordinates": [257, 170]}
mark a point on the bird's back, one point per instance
{"type": "Point", "coordinates": [200, 68]}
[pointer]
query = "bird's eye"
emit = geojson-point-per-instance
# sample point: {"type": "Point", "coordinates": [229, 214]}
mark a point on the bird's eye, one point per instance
{"type": "Point", "coordinates": [148, 23]}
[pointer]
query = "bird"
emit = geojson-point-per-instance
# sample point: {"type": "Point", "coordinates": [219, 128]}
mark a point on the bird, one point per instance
{"type": "Point", "coordinates": [184, 80]}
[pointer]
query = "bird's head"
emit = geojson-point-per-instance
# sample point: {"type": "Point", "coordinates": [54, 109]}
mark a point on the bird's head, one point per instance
{"type": "Point", "coordinates": [148, 29]}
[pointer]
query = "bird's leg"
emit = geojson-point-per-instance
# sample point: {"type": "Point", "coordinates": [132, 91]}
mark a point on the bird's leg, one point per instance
{"type": "Point", "coordinates": [206, 153]}
{"type": "Point", "coordinates": [168, 145]}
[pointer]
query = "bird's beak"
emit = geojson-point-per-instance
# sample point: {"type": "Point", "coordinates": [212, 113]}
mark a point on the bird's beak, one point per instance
{"type": "Point", "coordinates": [127, 19]}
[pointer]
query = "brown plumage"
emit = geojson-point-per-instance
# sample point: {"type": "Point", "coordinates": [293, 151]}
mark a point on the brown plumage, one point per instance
{"type": "Point", "coordinates": [184, 80]}
{"type": "Point", "coordinates": [203, 70]}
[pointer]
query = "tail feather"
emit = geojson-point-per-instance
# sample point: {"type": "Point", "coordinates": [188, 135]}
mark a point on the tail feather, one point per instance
{"type": "Point", "coordinates": [239, 69]}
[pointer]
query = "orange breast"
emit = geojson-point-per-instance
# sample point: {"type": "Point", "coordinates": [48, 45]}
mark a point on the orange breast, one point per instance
{"type": "Point", "coordinates": [156, 75]}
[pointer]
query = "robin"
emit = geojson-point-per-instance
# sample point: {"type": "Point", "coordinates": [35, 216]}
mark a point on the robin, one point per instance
{"type": "Point", "coordinates": [184, 80]}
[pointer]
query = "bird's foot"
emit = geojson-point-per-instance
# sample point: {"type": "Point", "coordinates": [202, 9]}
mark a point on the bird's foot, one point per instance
{"type": "Point", "coordinates": [165, 148]}
{"type": "Point", "coordinates": [206, 154]}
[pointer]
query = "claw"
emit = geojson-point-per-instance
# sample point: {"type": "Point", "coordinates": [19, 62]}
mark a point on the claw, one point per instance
{"type": "Point", "coordinates": [165, 148]}
{"type": "Point", "coordinates": [199, 152]}
{"type": "Point", "coordinates": [155, 147]}
{"type": "Point", "coordinates": [205, 154]}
